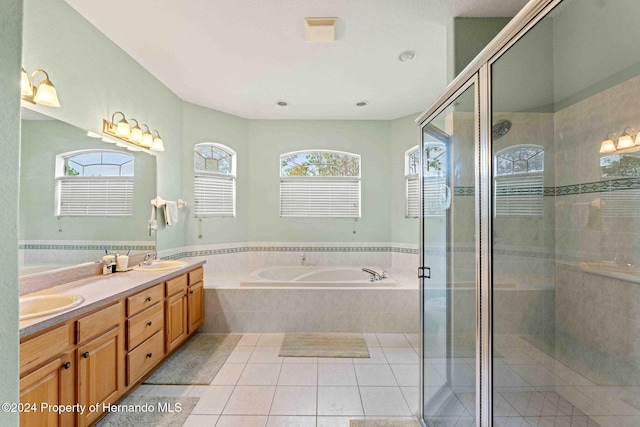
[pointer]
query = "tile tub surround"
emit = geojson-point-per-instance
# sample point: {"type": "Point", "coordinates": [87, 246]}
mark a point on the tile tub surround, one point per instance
{"type": "Point", "coordinates": [99, 291]}
{"type": "Point", "coordinates": [242, 310]}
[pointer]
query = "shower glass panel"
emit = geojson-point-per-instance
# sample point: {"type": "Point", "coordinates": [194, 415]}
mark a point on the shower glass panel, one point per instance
{"type": "Point", "coordinates": [566, 219]}
{"type": "Point", "coordinates": [449, 146]}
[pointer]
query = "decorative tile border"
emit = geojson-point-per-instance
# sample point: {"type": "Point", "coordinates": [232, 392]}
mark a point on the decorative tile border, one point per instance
{"type": "Point", "coordinates": [57, 247]}
{"type": "Point", "coordinates": [341, 249]}
{"type": "Point", "coordinates": [567, 190]}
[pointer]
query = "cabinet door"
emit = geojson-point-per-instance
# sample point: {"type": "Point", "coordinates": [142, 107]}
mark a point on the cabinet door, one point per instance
{"type": "Point", "coordinates": [52, 384]}
{"type": "Point", "coordinates": [100, 372]}
{"type": "Point", "coordinates": [176, 320]}
{"type": "Point", "coordinates": [195, 306]}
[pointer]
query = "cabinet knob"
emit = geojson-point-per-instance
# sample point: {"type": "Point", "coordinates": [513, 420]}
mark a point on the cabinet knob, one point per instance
{"type": "Point", "coordinates": [190, 292]}
{"type": "Point", "coordinates": [149, 323]}
{"type": "Point", "coordinates": [85, 354]}
{"type": "Point", "coordinates": [149, 355]}
{"type": "Point", "coordinates": [148, 298]}
{"type": "Point", "coordinates": [67, 365]}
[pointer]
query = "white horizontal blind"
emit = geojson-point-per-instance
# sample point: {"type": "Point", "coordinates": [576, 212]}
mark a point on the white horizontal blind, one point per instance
{"type": "Point", "coordinates": [621, 204]}
{"type": "Point", "coordinates": [519, 195]}
{"type": "Point", "coordinates": [435, 193]}
{"type": "Point", "coordinates": [320, 197]}
{"type": "Point", "coordinates": [214, 196]}
{"type": "Point", "coordinates": [413, 196]}
{"type": "Point", "coordinates": [94, 196]}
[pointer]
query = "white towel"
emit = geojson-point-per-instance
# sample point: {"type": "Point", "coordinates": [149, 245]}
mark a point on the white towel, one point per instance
{"type": "Point", "coordinates": [171, 213]}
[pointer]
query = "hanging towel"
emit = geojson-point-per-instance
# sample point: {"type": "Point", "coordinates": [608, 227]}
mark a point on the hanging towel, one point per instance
{"type": "Point", "coordinates": [171, 213]}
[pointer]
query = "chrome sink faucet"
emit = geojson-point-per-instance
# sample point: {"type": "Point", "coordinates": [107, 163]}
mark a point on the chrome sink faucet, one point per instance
{"type": "Point", "coordinates": [149, 258]}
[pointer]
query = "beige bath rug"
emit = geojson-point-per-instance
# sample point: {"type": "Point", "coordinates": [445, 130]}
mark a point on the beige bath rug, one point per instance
{"type": "Point", "coordinates": [324, 345]}
{"type": "Point", "coordinates": [150, 411]}
{"type": "Point", "coordinates": [196, 362]}
{"type": "Point", "coordinates": [384, 423]}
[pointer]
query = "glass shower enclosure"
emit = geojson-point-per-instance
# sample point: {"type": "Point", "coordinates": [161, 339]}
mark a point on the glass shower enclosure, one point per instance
{"type": "Point", "coordinates": [530, 251]}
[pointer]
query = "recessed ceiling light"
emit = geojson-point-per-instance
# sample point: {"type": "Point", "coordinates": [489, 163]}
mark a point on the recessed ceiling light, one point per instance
{"type": "Point", "coordinates": [407, 55]}
{"type": "Point", "coordinates": [282, 103]}
{"type": "Point", "coordinates": [362, 103]}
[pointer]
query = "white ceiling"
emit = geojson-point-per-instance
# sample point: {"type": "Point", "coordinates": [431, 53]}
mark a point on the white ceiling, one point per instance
{"type": "Point", "coordinates": [241, 56]}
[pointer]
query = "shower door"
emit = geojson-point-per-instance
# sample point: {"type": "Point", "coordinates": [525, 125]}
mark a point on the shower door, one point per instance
{"type": "Point", "coordinates": [448, 263]}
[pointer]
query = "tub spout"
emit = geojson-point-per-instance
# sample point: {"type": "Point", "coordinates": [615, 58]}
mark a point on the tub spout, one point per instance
{"type": "Point", "coordinates": [375, 276]}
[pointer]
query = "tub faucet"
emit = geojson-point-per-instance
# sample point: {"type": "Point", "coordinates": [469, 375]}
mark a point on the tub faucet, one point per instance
{"type": "Point", "coordinates": [375, 276]}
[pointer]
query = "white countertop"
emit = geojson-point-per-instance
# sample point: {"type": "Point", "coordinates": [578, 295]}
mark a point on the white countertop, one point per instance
{"type": "Point", "coordinates": [100, 290]}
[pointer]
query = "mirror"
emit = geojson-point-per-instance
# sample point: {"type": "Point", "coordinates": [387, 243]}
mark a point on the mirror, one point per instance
{"type": "Point", "coordinates": [79, 196]}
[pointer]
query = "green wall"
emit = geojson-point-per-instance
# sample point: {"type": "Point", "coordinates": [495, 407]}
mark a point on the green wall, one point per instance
{"type": "Point", "coordinates": [205, 125]}
{"type": "Point", "coordinates": [94, 79]}
{"type": "Point", "coordinates": [41, 141]}
{"type": "Point", "coordinates": [10, 51]}
{"type": "Point", "coordinates": [270, 138]}
{"type": "Point", "coordinates": [470, 36]}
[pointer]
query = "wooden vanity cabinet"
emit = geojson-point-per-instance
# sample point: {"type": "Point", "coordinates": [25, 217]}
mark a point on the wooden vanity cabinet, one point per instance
{"type": "Point", "coordinates": [95, 358]}
{"type": "Point", "coordinates": [52, 384]}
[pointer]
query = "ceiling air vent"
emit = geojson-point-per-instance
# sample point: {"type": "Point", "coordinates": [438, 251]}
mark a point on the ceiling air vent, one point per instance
{"type": "Point", "coordinates": [320, 29]}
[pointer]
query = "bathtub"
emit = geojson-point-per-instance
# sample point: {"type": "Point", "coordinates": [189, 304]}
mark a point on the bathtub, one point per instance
{"type": "Point", "coordinates": [315, 277]}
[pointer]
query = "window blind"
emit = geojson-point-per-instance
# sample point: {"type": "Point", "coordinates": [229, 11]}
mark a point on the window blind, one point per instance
{"type": "Point", "coordinates": [434, 194]}
{"type": "Point", "coordinates": [214, 196]}
{"type": "Point", "coordinates": [519, 195]}
{"type": "Point", "coordinates": [95, 196]}
{"type": "Point", "coordinates": [621, 204]}
{"type": "Point", "coordinates": [320, 198]}
{"type": "Point", "coordinates": [413, 196]}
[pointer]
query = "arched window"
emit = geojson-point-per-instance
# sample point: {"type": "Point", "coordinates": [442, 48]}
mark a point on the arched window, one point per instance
{"type": "Point", "coordinates": [519, 181]}
{"type": "Point", "coordinates": [94, 183]}
{"type": "Point", "coordinates": [320, 184]}
{"type": "Point", "coordinates": [214, 168]}
{"type": "Point", "coordinates": [434, 184]}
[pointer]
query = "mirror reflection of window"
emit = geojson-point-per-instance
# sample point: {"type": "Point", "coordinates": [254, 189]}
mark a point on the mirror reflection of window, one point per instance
{"type": "Point", "coordinates": [94, 183]}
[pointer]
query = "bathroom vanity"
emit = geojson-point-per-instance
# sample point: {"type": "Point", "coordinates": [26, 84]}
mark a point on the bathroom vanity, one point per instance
{"type": "Point", "coordinates": [96, 353]}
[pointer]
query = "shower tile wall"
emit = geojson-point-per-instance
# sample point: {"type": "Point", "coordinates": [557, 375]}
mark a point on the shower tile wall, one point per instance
{"type": "Point", "coordinates": [598, 318]}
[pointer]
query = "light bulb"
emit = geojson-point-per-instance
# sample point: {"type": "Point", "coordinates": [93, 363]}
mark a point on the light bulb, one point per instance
{"type": "Point", "coordinates": [46, 94]}
{"type": "Point", "coordinates": [26, 89]}
{"type": "Point", "coordinates": [136, 134]}
{"type": "Point", "coordinates": [123, 129]}
{"type": "Point", "coordinates": [147, 139]}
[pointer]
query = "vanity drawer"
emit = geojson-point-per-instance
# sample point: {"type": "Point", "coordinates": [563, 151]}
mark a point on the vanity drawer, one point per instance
{"type": "Point", "coordinates": [145, 324]}
{"type": "Point", "coordinates": [144, 299]}
{"type": "Point", "coordinates": [96, 323]}
{"type": "Point", "coordinates": [195, 276]}
{"type": "Point", "coordinates": [144, 357]}
{"type": "Point", "coordinates": [176, 285]}
{"type": "Point", "coordinates": [44, 347]}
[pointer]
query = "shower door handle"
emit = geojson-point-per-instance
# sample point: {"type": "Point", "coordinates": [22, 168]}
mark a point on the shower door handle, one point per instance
{"type": "Point", "coordinates": [424, 272]}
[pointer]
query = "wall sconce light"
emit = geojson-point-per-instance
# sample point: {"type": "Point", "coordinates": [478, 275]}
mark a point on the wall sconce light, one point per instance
{"type": "Point", "coordinates": [626, 139]}
{"type": "Point", "coordinates": [141, 141]}
{"type": "Point", "coordinates": [628, 142]}
{"type": "Point", "coordinates": [44, 93]}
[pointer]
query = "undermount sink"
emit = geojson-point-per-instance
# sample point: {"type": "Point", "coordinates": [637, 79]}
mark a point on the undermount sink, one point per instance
{"type": "Point", "coordinates": [43, 305]}
{"type": "Point", "coordinates": [161, 265]}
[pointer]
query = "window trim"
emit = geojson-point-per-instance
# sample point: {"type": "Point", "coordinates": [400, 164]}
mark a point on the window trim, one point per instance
{"type": "Point", "coordinates": [217, 176]}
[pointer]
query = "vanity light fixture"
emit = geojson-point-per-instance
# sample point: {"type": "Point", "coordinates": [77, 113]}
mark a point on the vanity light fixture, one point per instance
{"type": "Point", "coordinates": [134, 136]}
{"type": "Point", "coordinates": [43, 93]}
{"type": "Point", "coordinates": [626, 139]}
{"type": "Point", "coordinates": [609, 145]}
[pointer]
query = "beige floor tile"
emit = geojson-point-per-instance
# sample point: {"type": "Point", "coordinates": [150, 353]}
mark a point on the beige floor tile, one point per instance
{"type": "Point", "coordinates": [412, 397]}
{"type": "Point", "coordinates": [339, 401]}
{"type": "Point", "coordinates": [201, 421]}
{"type": "Point", "coordinates": [260, 374]}
{"type": "Point", "coordinates": [371, 340]}
{"type": "Point", "coordinates": [338, 360]}
{"type": "Point", "coordinates": [375, 375]}
{"type": "Point", "coordinates": [241, 421]}
{"type": "Point", "coordinates": [213, 400]}
{"type": "Point", "coordinates": [376, 356]}
{"type": "Point", "coordinates": [393, 340]}
{"type": "Point", "coordinates": [240, 355]}
{"type": "Point", "coordinates": [300, 360]}
{"type": "Point", "coordinates": [336, 421]}
{"type": "Point", "coordinates": [337, 375]}
{"type": "Point", "coordinates": [401, 355]}
{"type": "Point", "coordinates": [249, 340]}
{"type": "Point", "coordinates": [294, 400]}
{"type": "Point", "coordinates": [406, 375]}
{"type": "Point", "coordinates": [266, 355]}
{"type": "Point", "coordinates": [298, 374]}
{"type": "Point", "coordinates": [250, 400]}
{"type": "Point", "coordinates": [228, 374]}
{"type": "Point", "coordinates": [270, 340]}
{"type": "Point", "coordinates": [384, 401]}
{"type": "Point", "coordinates": [291, 421]}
